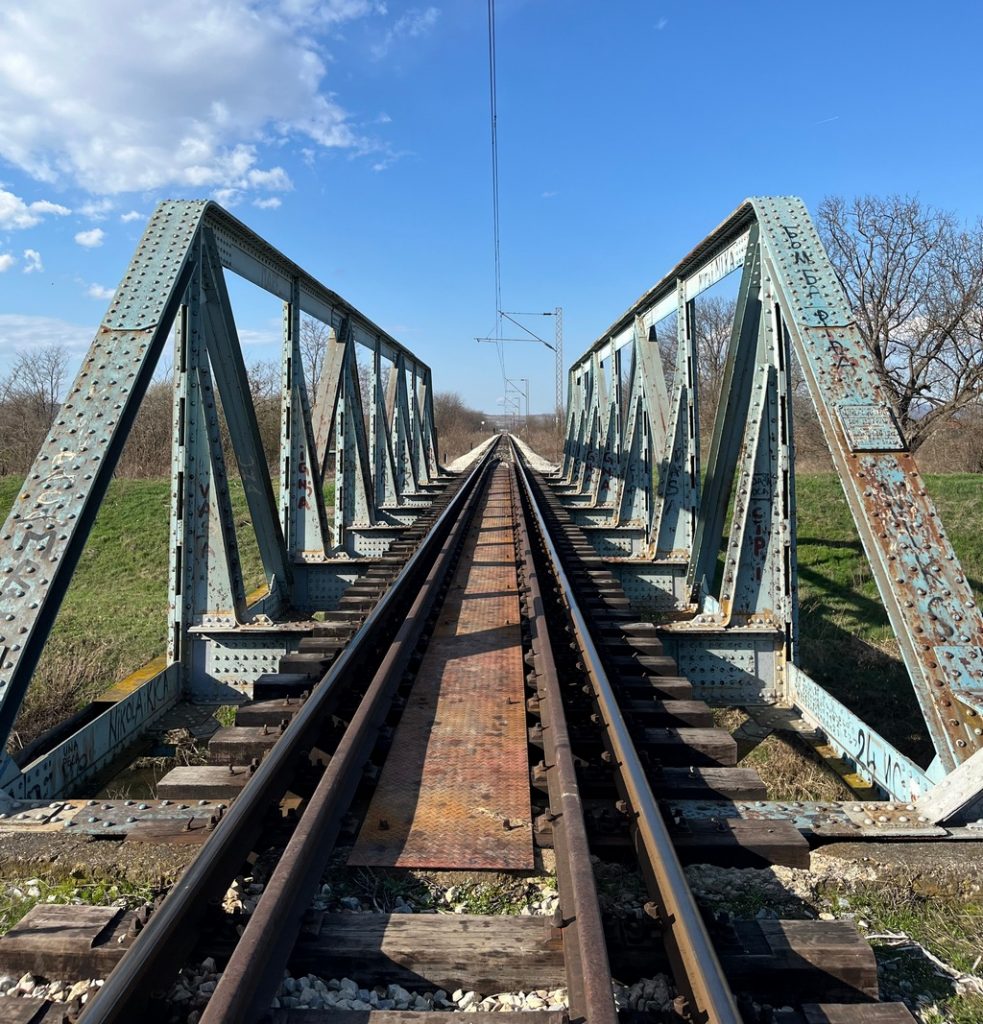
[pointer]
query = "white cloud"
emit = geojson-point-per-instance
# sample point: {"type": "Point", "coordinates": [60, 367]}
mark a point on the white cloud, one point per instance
{"type": "Point", "coordinates": [259, 336]}
{"type": "Point", "coordinates": [331, 12]}
{"type": "Point", "coordinates": [411, 25]}
{"type": "Point", "coordinates": [549, 195]}
{"type": "Point", "coordinates": [132, 215]}
{"type": "Point", "coordinates": [97, 291]}
{"type": "Point", "coordinates": [661, 24]}
{"type": "Point", "coordinates": [186, 94]}
{"type": "Point", "coordinates": [275, 179]}
{"type": "Point", "coordinates": [15, 213]}
{"type": "Point", "coordinates": [32, 261]}
{"type": "Point", "coordinates": [96, 209]}
{"type": "Point", "coordinates": [227, 197]}
{"type": "Point", "coordinates": [91, 239]}
{"type": "Point", "coordinates": [20, 332]}
{"type": "Point", "coordinates": [6, 261]}
{"type": "Point", "coordinates": [272, 203]}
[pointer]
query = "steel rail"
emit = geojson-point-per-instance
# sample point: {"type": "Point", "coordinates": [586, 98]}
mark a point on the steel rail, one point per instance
{"type": "Point", "coordinates": [255, 969]}
{"type": "Point", "coordinates": [688, 944]}
{"type": "Point", "coordinates": [159, 944]}
{"type": "Point", "coordinates": [585, 957]}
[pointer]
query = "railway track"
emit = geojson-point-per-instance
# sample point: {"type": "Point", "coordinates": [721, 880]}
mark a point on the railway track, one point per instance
{"type": "Point", "coordinates": [481, 700]}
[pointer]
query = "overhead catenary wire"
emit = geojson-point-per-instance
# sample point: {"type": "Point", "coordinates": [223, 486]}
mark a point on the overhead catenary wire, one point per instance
{"type": "Point", "coordinates": [496, 227]}
{"type": "Point", "coordinates": [526, 329]}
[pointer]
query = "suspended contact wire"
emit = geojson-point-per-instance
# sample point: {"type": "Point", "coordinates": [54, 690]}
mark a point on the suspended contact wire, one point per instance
{"type": "Point", "coordinates": [493, 95]}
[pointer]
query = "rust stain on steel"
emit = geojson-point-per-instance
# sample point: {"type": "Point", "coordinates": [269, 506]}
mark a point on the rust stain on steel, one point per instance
{"type": "Point", "coordinates": [454, 792]}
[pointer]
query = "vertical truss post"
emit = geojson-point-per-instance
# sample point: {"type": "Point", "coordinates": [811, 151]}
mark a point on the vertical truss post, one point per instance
{"type": "Point", "coordinates": [354, 503]}
{"type": "Point", "coordinates": [326, 399]}
{"type": "Point", "coordinates": [49, 522]}
{"type": "Point", "coordinates": [757, 590]}
{"type": "Point", "coordinates": [429, 449]}
{"type": "Point", "coordinates": [927, 597]}
{"type": "Point", "coordinates": [610, 454]}
{"type": "Point", "coordinates": [225, 357]}
{"type": "Point", "coordinates": [589, 428]}
{"type": "Point", "coordinates": [418, 454]}
{"type": "Point", "coordinates": [303, 516]}
{"type": "Point", "coordinates": [644, 431]}
{"type": "Point", "coordinates": [380, 441]}
{"type": "Point", "coordinates": [575, 408]}
{"type": "Point", "coordinates": [679, 472]}
{"type": "Point", "coordinates": [732, 409]}
{"type": "Point", "coordinates": [206, 586]}
{"type": "Point", "coordinates": [406, 478]}
{"type": "Point", "coordinates": [384, 461]}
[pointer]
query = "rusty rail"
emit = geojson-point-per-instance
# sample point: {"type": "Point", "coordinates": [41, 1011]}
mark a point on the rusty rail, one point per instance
{"type": "Point", "coordinates": [255, 969]}
{"type": "Point", "coordinates": [159, 945]}
{"type": "Point", "coordinates": [585, 951]}
{"type": "Point", "coordinates": [695, 964]}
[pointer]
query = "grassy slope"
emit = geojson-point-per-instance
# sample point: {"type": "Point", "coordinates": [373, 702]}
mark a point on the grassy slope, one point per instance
{"type": "Point", "coordinates": [116, 605]}
{"type": "Point", "coordinates": [114, 615]}
{"type": "Point", "coordinates": [847, 643]}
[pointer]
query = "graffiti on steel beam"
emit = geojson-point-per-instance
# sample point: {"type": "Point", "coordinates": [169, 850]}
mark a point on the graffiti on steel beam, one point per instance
{"type": "Point", "coordinates": [790, 307]}
{"type": "Point", "coordinates": [379, 455]}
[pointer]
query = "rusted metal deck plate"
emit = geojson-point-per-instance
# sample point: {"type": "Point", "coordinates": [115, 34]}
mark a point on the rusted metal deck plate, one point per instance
{"type": "Point", "coordinates": [454, 792]}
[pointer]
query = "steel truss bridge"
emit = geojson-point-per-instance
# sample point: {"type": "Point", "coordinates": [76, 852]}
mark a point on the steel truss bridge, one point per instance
{"type": "Point", "coordinates": [631, 477]}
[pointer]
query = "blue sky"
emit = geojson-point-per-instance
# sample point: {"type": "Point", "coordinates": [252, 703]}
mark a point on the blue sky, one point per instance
{"type": "Point", "coordinates": [354, 135]}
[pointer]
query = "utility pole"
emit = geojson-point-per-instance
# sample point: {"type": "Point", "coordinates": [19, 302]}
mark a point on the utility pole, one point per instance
{"type": "Point", "coordinates": [558, 360]}
{"type": "Point", "coordinates": [516, 396]}
{"type": "Point", "coordinates": [557, 347]}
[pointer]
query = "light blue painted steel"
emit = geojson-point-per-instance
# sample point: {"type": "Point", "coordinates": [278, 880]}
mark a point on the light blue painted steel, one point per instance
{"type": "Point", "coordinates": [177, 273]}
{"type": "Point", "coordinates": [678, 496]}
{"type": "Point", "coordinates": [747, 630]}
{"type": "Point", "coordinates": [353, 495]}
{"type": "Point", "coordinates": [929, 602]}
{"type": "Point", "coordinates": [206, 585]}
{"type": "Point", "coordinates": [729, 664]}
{"type": "Point", "coordinates": [398, 409]}
{"type": "Point", "coordinates": [845, 820]}
{"type": "Point", "coordinates": [229, 370]}
{"type": "Point", "coordinates": [50, 520]}
{"type": "Point", "coordinates": [732, 409]}
{"type": "Point", "coordinates": [380, 439]}
{"type": "Point", "coordinates": [858, 743]}
{"type": "Point", "coordinates": [612, 427]}
{"type": "Point", "coordinates": [92, 748]}
{"type": "Point", "coordinates": [428, 448]}
{"type": "Point", "coordinates": [303, 517]}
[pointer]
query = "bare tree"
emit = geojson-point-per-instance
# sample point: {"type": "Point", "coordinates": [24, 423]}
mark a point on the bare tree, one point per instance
{"type": "Point", "coordinates": [714, 320]}
{"type": "Point", "coordinates": [314, 338]}
{"type": "Point", "coordinates": [147, 451]}
{"type": "Point", "coordinates": [458, 427]}
{"type": "Point", "coordinates": [914, 277]}
{"type": "Point", "coordinates": [39, 376]}
{"type": "Point", "coordinates": [264, 390]}
{"type": "Point", "coordinates": [29, 398]}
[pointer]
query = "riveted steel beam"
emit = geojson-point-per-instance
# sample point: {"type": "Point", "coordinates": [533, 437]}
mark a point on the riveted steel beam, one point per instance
{"type": "Point", "coordinates": [46, 529]}
{"type": "Point", "coordinates": [928, 599]}
{"type": "Point", "coordinates": [738, 629]}
{"type": "Point", "coordinates": [176, 280]}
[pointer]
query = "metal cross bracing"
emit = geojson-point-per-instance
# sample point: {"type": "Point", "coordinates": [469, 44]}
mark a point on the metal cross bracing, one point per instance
{"type": "Point", "coordinates": [378, 448]}
{"type": "Point", "coordinates": [715, 552]}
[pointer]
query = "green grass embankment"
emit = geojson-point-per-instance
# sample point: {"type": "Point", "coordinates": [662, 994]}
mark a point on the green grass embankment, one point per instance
{"type": "Point", "coordinates": [846, 640]}
{"type": "Point", "coordinates": [114, 616]}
